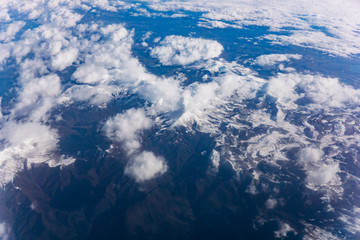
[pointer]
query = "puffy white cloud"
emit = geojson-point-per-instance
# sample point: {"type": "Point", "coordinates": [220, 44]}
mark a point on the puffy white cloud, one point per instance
{"type": "Point", "coordinates": [325, 174]}
{"type": "Point", "coordinates": [271, 203]}
{"type": "Point", "coordinates": [109, 68]}
{"type": "Point", "coordinates": [146, 166]}
{"type": "Point", "coordinates": [64, 58]}
{"type": "Point", "coordinates": [26, 143]}
{"type": "Point", "coordinates": [37, 97]}
{"type": "Point", "coordinates": [178, 50]}
{"type": "Point", "coordinates": [273, 59]}
{"type": "Point", "coordinates": [163, 93]}
{"type": "Point", "coordinates": [4, 231]}
{"type": "Point", "coordinates": [310, 155]}
{"type": "Point", "coordinates": [4, 53]}
{"type": "Point", "coordinates": [12, 29]}
{"type": "Point", "coordinates": [319, 170]}
{"type": "Point", "coordinates": [323, 92]}
{"type": "Point", "coordinates": [284, 230]}
{"type": "Point", "coordinates": [4, 15]}
{"type": "Point", "coordinates": [95, 95]}
{"type": "Point", "coordinates": [201, 98]}
{"type": "Point", "coordinates": [126, 128]}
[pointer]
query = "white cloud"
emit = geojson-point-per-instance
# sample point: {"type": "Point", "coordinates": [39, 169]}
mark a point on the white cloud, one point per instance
{"type": "Point", "coordinates": [310, 155]}
{"type": "Point", "coordinates": [12, 29]}
{"type": "Point", "coordinates": [273, 59]}
{"type": "Point", "coordinates": [126, 128]}
{"type": "Point", "coordinates": [146, 166]}
{"type": "Point", "coordinates": [4, 54]}
{"type": "Point", "coordinates": [163, 93]}
{"type": "Point", "coordinates": [109, 68]}
{"type": "Point", "coordinates": [4, 15]}
{"type": "Point", "coordinates": [324, 175]}
{"type": "Point", "coordinates": [95, 95]}
{"type": "Point", "coordinates": [25, 143]}
{"type": "Point", "coordinates": [338, 18]}
{"type": "Point", "coordinates": [319, 170]}
{"type": "Point", "coordinates": [201, 98]}
{"type": "Point", "coordinates": [316, 40]}
{"type": "Point", "coordinates": [37, 97]}
{"type": "Point", "coordinates": [271, 203]}
{"type": "Point", "coordinates": [178, 50]}
{"type": "Point", "coordinates": [284, 230]}
{"type": "Point", "coordinates": [315, 232]}
{"type": "Point", "coordinates": [31, 140]}
{"type": "Point", "coordinates": [4, 231]}
{"type": "Point", "coordinates": [323, 92]}
{"type": "Point", "coordinates": [64, 58]}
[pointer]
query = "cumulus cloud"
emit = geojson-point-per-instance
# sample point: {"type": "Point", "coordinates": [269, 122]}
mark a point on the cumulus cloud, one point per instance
{"type": "Point", "coordinates": [126, 128]}
{"type": "Point", "coordinates": [4, 231]}
{"type": "Point", "coordinates": [284, 230]}
{"type": "Point", "coordinates": [37, 97]}
{"type": "Point", "coordinates": [65, 58]}
{"type": "Point", "coordinates": [146, 166]}
{"type": "Point", "coordinates": [310, 155]}
{"type": "Point", "coordinates": [271, 203]}
{"type": "Point", "coordinates": [25, 143]}
{"type": "Point", "coordinates": [26, 137]}
{"type": "Point", "coordinates": [321, 91]}
{"type": "Point", "coordinates": [273, 59]}
{"type": "Point", "coordinates": [325, 174]}
{"type": "Point", "coordinates": [4, 54]}
{"type": "Point", "coordinates": [201, 98]}
{"type": "Point", "coordinates": [178, 50]}
{"type": "Point", "coordinates": [164, 93]}
{"type": "Point", "coordinates": [319, 170]}
{"type": "Point", "coordinates": [109, 67]}
{"type": "Point", "coordinates": [12, 29]}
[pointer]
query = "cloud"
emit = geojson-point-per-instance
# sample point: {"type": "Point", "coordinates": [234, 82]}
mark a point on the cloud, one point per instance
{"type": "Point", "coordinates": [331, 26]}
{"type": "Point", "coordinates": [26, 135]}
{"type": "Point", "coordinates": [271, 203]}
{"type": "Point", "coordinates": [37, 97]}
{"type": "Point", "coordinates": [4, 231]}
{"type": "Point", "coordinates": [64, 58]}
{"type": "Point", "coordinates": [109, 68]}
{"type": "Point", "coordinates": [178, 50]}
{"type": "Point", "coordinates": [319, 170]}
{"type": "Point", "coordinates": [4, 54]}
{"type": "Point", "coordinates": [273, 59]}
{"type": "Point", "coordinates": [12, 29]}
{"type": "Point", "coordinates": [126, 128]}
{"type": "Point", "coordinates": [321, 91]}
{"type": "Point", "coordinates": [26, 143]}
{"type": "Point", "coordinates": [199, 99]}
{"type": "Point", "coordinates": [325, 174]}
{"type": "Point", "coordinates": [284, 230]}
{"type": "Point", "coordinates": [310, 155]}
{"type": "Point", "coordinates": [146, 166]}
